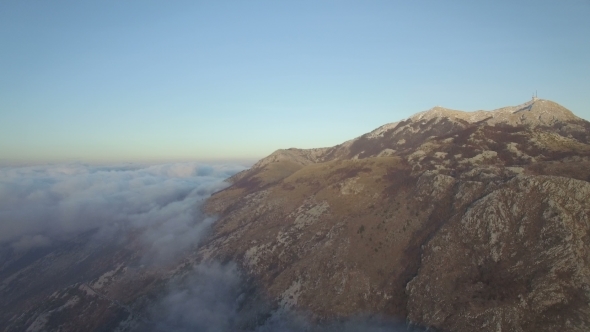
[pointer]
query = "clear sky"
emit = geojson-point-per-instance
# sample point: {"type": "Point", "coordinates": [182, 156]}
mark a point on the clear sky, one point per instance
{"type": "Point", "coordinates": [103, 81]}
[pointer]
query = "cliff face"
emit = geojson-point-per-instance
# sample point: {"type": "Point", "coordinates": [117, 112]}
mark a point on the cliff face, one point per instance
{"type": "Point", "coordinates": [459, 221]}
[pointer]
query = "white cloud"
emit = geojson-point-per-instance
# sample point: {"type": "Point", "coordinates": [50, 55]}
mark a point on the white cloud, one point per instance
{"type": "Point", "coordinates": [39, 204]}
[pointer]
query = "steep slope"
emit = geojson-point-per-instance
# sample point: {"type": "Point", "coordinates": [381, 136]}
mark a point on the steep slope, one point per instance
{"type": "Point", "coordinates": [457, 220]}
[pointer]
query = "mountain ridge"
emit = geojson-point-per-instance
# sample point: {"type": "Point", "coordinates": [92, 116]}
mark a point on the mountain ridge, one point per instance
{"type": "Point", "coordinates": [362, 227]}
{"type": "Point", "coordinates": [532, 115]}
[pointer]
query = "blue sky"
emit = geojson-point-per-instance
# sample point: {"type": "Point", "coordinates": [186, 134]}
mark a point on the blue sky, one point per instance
{"type": "Point", "coordinates": [106, 81]}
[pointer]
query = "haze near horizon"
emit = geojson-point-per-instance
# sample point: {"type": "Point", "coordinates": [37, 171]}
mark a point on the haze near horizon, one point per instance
{"type": "Point", "coordinates": [151, 81]}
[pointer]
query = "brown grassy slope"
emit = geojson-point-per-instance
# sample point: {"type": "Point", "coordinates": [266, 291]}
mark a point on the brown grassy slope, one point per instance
{"type": "Point", "coordinates": [361, 211]}
{"type": "Point", "coordinates": [349, 231]}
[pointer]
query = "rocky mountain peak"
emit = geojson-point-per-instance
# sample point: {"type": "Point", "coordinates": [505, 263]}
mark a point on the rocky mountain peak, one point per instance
{"type": "Point", "coordinates": [532, 113]}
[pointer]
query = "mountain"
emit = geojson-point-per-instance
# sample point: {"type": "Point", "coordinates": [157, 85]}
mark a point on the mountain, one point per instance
{"type": "Point", "coordinates": [459, 221]}
{"type": "Point", "coordinates": [447, 220]}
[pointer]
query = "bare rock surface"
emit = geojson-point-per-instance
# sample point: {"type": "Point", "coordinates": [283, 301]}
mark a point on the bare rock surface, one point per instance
{"type": "Point", "coordinates": [517, 260]}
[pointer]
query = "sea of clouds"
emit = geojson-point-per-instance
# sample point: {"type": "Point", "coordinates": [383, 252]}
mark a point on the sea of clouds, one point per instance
{"type": "Point", "coordinates": [41, 206]}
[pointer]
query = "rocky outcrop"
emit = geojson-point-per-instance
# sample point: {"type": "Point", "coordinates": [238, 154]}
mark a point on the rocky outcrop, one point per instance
{"type": "Point", "coordinates": [516, 260]}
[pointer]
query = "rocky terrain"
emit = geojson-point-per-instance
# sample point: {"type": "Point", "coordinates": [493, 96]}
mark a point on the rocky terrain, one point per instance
{"type": "Point", "coordinates": [77, 285]}
{"type": "Point", "coordinates": [459, 221]}
{"type": "Point", "coordinates": [455, 221]}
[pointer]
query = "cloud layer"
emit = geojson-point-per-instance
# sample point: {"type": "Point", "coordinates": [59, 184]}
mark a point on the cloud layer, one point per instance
{"type": "Point", "coordinates": [42, 204]}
